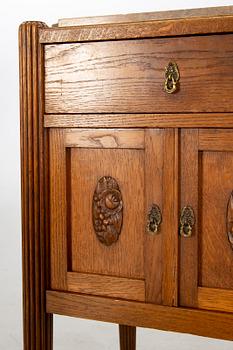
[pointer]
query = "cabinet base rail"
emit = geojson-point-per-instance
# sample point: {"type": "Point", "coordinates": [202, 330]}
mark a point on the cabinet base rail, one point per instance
{"type": "Point", "coordinates": [198, 322]}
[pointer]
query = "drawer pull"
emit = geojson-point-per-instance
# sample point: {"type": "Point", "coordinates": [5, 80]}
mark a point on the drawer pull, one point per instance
{"type": "Point", "coordinates": [107, 210]}
{"type": "Point", "coordinates": [230, 220]}
{"type": "Point", "coordinates": [187, 221]}
{"type": "Point", "coordinates": [154, 219]}
{"type": "Point", "coordinates": [172, 77]}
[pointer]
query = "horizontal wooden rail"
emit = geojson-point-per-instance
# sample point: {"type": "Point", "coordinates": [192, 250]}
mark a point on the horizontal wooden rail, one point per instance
{"type": "Point", "coordinates": [205, 323]}
{"type": "Point", "coordinates": [202, 120]}
{"type": "Point", "coordinates": [116, 287]}
{"type": "Point", "coordinates": [215, 299]}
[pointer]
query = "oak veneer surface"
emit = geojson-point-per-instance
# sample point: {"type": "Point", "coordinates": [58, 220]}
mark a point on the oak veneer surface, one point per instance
{"type": "Point", "coordinates": [188, 255]}
{"type": "Point", "coordinates": [180, 120]}
{"type": "Point", "coordinates": [199, 322]}
{"type": "Point", "coordinates": [129, 76]}
{"type": "Point", "coordinates": [88, 255]}
{"type": "Point", "coordinates": [216, 260]}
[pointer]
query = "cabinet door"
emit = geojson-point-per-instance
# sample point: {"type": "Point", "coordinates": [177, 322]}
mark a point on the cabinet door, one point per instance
{"type": "Point", "coordinates": [107, 187]}
{"type": "Point", "coordinates": [206, 258]}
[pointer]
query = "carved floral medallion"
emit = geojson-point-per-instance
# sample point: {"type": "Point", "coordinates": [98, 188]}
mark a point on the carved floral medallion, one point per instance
{"type": "Point", "coordinates": [107, 210]}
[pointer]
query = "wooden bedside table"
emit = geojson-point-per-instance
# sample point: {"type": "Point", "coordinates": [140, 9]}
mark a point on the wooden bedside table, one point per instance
{"type": "Point", "coordinates": [127, 173]}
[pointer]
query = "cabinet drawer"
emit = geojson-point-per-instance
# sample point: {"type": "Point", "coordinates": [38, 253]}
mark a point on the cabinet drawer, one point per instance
{"type": "Point", "coordinates": [129, 76]}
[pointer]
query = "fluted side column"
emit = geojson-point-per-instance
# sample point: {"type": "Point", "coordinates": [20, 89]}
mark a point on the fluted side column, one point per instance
{"type": "Point", "coordinates": [37, 324]}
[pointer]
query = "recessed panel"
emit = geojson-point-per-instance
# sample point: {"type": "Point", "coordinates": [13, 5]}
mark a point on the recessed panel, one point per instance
{"type": "Point", "coordinates": [215, 250]}
{"type": "Point", "coordinates": [124, 257]}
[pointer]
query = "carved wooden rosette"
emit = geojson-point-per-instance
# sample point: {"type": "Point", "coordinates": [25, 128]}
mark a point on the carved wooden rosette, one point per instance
{"type": "Point", "coordinates": [107, 210]}
{"type": "Point", "coordinates": [230, 220]}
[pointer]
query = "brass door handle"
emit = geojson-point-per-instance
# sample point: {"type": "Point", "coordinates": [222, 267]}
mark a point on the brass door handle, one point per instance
{"type": "Point", "coordinates": [154, 219]}
{"type": "Point", "coordinates": [187, 221]}
{"type": "Point", "coordinates": [172, 77]}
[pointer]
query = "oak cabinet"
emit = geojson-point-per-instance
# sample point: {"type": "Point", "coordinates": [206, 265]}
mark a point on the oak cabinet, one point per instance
{"type": "Point", "coordinates": [127, 173]}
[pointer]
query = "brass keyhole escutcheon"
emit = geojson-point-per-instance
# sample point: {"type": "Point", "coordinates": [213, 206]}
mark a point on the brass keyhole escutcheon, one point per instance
{"type": "Point", "coordinates": [172, 77]}
{"type": "Point", "coordinates": [154, 219]}
{"type": "Point", "coordinates": [187, 221]}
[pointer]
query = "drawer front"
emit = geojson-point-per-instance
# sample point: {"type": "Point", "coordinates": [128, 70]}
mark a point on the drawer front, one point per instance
{"type": "Point", "coordinates": [129, 76]}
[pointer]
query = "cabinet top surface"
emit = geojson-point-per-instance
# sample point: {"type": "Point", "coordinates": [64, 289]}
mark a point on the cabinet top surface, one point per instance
{"type": "Point", "coordinates": [147, 16]}
{"type": "Point", "coordinates": [140, 25]}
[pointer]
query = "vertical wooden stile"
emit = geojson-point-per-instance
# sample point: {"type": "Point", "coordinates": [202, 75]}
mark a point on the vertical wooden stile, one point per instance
{"type": "Point", "coordinates": [170, 215]}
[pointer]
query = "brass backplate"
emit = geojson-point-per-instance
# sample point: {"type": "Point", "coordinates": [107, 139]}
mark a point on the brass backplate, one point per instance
{"type": "Point", "coordinates": [154, 219]}
{"type": "Point", "coordinates": [172, 77]}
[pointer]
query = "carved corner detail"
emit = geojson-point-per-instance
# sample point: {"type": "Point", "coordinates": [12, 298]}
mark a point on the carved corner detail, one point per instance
{"type": "Point", "coordinates": [107, 210]}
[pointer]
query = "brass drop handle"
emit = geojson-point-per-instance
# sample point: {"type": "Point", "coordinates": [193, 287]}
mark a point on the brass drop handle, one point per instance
{"type": "Point", "coordinates": [172, 77]}
{"type": "Point", "coordinates": [230, 220]}
{"type": "Point", "coordinates": [154, 219]}
{"type": "Point", "coordinates": [187, 221]}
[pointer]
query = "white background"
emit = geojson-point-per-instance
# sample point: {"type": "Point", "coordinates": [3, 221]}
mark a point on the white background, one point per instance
{"type": "Point", "coordinates": [69, 333]}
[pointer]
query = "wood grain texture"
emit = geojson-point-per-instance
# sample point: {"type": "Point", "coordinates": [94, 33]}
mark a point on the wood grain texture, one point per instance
{"type": "Point", "coordinates": [170, 218]}
{"type": "Point", "coordinates": [216, 140]}
{"type": "Point", "coordinates": [203, 120]}
{"type": "Point", "coordinates": [105, 138]}
{"type": "Point", "coordinates": [138, 30]}
{"type": "Point", "coordinates": [114, 287]}
{"type": "Point", "coordinates": [58, 209]}
{"type": "Point", "coordinates": [88, 254]}
{"type": "Point", "coordinates": [129, 76]}
{"type": "Point", "coordinates": [215, 187]}
{"type": "Point", "coordinates": [127, 336]}
{"type": "Point", "coordinates": [147, 16]}
{"type": "Point", "coordinates": [215, 299]}
{"type": "Point", "coordinates": [188, 260]}
{"type": "Point", "coordinates": [37, 324]}
{"type": "Point", "coordinates": [154, 145]}
{"type": "Point", "coordinates": [216, 324]}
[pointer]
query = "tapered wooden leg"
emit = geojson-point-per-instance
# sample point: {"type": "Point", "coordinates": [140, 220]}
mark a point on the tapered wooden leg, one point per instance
{"type": "Point", "coordinates": [37, 324]}
{"type": "Point", "coordinates": [127, 337]}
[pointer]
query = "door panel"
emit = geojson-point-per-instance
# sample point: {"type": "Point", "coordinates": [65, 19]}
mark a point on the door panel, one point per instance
{"type": "Point", "coordinates": [103, 183]}
{"type": "Point", "coordinates": [206, 270]}
{"type": "Point", "coordinates": [216, 255]}
{"type": "Point", "coordinates": [88, 254]}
